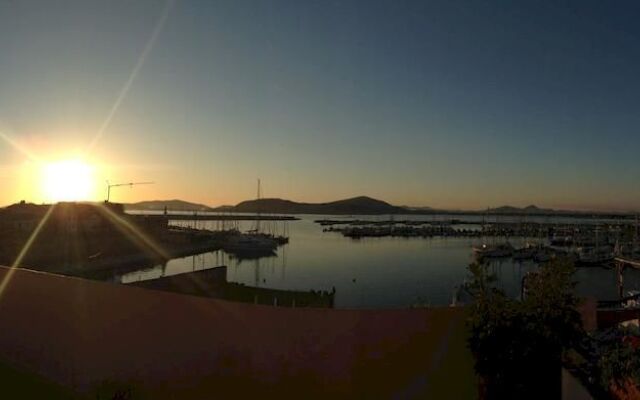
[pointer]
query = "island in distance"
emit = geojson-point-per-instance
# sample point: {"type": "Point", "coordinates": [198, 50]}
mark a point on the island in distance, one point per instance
{"type": "Point", "coordinates": [361, 205]}
{"type": "Point", "coordinates": [356, 205]}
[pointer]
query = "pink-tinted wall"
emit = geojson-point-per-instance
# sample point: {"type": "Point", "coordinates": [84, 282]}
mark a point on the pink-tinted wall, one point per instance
{"type": "Point", "coordinates": [82, 333]}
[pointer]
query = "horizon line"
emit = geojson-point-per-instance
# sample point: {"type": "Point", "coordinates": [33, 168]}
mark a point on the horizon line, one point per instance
{"type": "Point", "coordinates": [405, 206]}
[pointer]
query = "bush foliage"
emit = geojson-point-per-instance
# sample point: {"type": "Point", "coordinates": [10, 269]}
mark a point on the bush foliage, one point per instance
{"type": "Point", "coordinates": [518, 343]}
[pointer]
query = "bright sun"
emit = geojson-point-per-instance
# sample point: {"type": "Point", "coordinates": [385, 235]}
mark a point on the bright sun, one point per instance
{"type": "Point", "coordinates": [67, 180]}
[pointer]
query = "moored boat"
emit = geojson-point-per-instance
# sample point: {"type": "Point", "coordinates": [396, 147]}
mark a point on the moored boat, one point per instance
{"type": "Point", "coordinates": [493, 251]}
{"type": "Point", "coordinates": [594, 256]}
{"type": "Point", "coordinates": [250, 242]}
{"type": "Point", "coordinates": [525, 253]}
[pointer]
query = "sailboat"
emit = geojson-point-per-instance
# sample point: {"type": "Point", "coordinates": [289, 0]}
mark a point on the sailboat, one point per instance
{"type": "Point", "coordinates": [257, 232]}
{"type": "Point", "coordinates": [595, 255]}
{"type": "Point", "coordinates": [250, 242]}
{"type": "Point", "coordinates": [525, 253]}
{"type": "Point", "coordinates": [494, 250]}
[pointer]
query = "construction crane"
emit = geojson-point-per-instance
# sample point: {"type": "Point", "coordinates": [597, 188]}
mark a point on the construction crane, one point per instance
{"type": "Point", "coordinates": [130, 184]}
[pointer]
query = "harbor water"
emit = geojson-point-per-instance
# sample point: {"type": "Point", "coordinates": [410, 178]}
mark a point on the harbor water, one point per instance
{"type": "Point", "coordinates": [381, 272]}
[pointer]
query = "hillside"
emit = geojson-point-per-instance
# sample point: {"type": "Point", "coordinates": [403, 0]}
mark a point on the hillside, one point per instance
{"type": "Point", "coordinates": [356, 205]}
{"type": "Point", "coordinates": [361, 205]}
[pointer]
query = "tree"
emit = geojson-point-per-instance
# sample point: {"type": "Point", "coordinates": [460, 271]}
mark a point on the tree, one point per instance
{"type": "Point", "coordinates": [518, 344]}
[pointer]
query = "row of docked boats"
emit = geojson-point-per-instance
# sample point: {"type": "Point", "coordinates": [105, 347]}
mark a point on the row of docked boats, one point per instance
{"type": "Point", "coordinates": [585, 256]}
{"type": "Point", "coordinates": [357, 232]}
{"type": "Point", "coordinates": [537, 253]}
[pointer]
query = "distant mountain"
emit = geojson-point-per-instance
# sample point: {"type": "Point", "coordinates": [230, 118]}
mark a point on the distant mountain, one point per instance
{"type": "Point", "coordinates": [171, 205]}
{"type": "Point", "coordinates": [356, 205]}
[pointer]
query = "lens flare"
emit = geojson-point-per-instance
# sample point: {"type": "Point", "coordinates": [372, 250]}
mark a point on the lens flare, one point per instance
{"type": "Point", "coordinates": [67, 180]}
{"type": "Point", "coordinates": [25, 249]}
{"type": "Point", "coordinates": [135, 235]}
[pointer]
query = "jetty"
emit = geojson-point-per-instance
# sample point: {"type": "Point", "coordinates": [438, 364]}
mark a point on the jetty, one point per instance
{"type": "Point", "coordinates": [213, 283]}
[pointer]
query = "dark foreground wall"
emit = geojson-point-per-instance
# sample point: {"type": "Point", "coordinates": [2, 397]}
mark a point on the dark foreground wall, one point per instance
{"type": "Point", "coordinates": [83, 333]}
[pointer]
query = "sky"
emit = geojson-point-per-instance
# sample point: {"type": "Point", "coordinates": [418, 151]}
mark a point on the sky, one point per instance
{"type": "Point", "coordinates": [449, 104]}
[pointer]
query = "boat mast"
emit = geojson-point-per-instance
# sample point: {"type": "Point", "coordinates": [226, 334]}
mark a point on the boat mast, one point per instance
{"type": "Point", "coordinates": [258, 209]}
{"type": "Point", "coordinates": [635, 237]}
{"type": "Point", "coordinates": [597, 240]}
{"type": "Point", "coordinates": [484, 227]}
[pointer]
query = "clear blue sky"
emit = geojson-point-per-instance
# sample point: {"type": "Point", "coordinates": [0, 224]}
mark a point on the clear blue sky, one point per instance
{"type": "Point", "coordinates": [440, 103]}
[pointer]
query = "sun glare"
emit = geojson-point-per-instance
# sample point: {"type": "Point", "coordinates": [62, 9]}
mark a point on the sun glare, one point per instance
{"type": "Point", "coordinates": [67, 180]}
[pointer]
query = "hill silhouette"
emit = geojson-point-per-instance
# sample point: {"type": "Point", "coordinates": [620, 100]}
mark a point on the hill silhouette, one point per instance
{"type": "Point", "coordinates": [356, 205]}
{"type": "Point", "coordinates": [361, 205]}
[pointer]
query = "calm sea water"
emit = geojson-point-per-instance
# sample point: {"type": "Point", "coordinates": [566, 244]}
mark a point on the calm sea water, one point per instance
{"type": "Point", "coordinates": [372, 272]}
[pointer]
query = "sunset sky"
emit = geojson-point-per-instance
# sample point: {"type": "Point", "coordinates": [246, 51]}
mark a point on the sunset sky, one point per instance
{"type": "Point", "coordinates": [435, 103]}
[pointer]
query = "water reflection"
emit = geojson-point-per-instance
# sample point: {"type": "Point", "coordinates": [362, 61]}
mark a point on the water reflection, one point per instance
{"type": "Point", "coordinates": [372, 272]}
{"type": "Point", "coordinates": [209, 260]}
{"type": "Point", "coordinates": [176, 266]}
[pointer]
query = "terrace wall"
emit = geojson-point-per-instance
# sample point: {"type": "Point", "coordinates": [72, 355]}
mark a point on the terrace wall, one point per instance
{"type": "Point", "coordinates": [83, 333]}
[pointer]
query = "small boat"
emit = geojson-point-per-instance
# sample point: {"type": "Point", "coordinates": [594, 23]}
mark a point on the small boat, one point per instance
{"type": "Point", "coordinates": [597, 255]}
{"type": "Point", "coordinates": [280, 240]}
{"type": "Point", "coordinates": [525, 253]}
{"type": "Point", "coordinates": [561, 241]}
{"type": "Point", "coordinates": [250, 242]}
{"type": "Point", "coordinates": [593, 256]}
{"type": "Point", "coordinates": [493, 251]}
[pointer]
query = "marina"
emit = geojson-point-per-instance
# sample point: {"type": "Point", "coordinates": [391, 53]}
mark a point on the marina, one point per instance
{"type": "Point", "coordinates": [567, 232]}
{"type": "Point", "coordinates": [383, 271]}
{"type": "Point", "coordinates": [372, 261]}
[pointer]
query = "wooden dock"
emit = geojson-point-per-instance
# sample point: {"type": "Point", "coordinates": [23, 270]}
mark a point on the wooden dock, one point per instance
{"type": "Point", "coordinates": [631, 262]}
